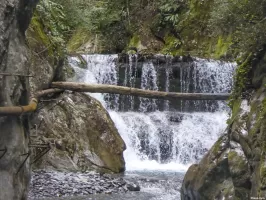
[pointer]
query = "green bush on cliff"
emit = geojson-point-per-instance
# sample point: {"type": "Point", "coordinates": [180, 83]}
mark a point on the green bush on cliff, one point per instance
{"type": "Point", "coordinates": [245, 20]}
{"type": "Point", "coordinates": [170, 10]}
{"type": "Point", "coordinates": [215, 28]}
{"type": "Point", "coordinates": [90, 18]}
{"type": "Point", "coordinates": [47, 31]}
{"type": "Point", "coordinates": [242, 78]}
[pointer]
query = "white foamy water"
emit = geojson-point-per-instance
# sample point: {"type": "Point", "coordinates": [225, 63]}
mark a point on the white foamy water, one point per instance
{"type": "Point", "coordinates": [148, 82]}
{"type": "Point", "coordinates": [186, 142]}
{"type": "Point", "coordinates": [207, 76]}
{"type": "Point", "coordinates": [162, 140]}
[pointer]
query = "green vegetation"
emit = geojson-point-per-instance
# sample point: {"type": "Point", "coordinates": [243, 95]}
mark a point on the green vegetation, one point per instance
{"type": "Point", "coordinates": [215, 28]}
{"type": "Point", "coordinates": [245, 22]}
{"type": "Point", "coordinates": [220, 29]}
{"type": "Point", "coordinates": [241, 79]}
{"type": "Point", "coordinates": [245, 19]}
{"type": "Point", "coordinates": [172, 45]}
{"type": "Point", "coordinates": [217, 146]}
{"type": "Point", "coordinates": [80, 37]}
{"type": "Point", "coordinates": [46, 35]}
{"type": "Point", "coordinates": [238, 163]}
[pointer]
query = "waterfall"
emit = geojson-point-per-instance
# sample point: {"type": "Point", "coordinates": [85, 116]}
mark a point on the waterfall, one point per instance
{"type": "Point", "coordinates": [148, 82]}
{"type": "Point", "coordinates": [206, 76]}
{"type": "Point", "coordinates": [160, 134]}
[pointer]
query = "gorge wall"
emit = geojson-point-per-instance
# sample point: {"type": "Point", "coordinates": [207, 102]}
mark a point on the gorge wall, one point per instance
{"type": "Point", "coordinates": [14, 90]}
{"type": "Point", "coordinates": [234, 168]}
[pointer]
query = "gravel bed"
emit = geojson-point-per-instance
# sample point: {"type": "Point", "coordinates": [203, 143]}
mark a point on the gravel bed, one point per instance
{"type": "Point", "coordinates": [62, 184]}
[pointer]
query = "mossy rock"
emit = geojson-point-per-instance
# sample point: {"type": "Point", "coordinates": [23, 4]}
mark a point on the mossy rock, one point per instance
{"type": "Point", "coordinates": [38, 40]}
{"type": "Point", "coordinates": [172, 45]}
{"type": "Point", "coordinates": [81, 37]}
{"type": "Point", "coordinates": [82, 133]}
{"type": "Point", "coordinates": [239, 170]}
{"type": "Point", "coordinates": [210, 179]}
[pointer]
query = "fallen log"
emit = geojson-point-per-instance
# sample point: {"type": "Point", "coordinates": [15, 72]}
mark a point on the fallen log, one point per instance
{"type": "Point", "coordinates": [113, 89]}
{"type": "Point", "coordinates": [42, 93]}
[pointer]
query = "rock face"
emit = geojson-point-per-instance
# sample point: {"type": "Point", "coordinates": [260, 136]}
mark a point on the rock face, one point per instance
{"type": "Point", "coordinates": [235, 167]}
{"type": "Point", "coordinates": [81, 133]}
{"type": "Point", "coordinates": [14, 18]}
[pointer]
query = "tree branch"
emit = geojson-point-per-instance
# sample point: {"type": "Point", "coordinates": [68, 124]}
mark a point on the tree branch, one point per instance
{"type": "Point", "coordinates": [112, 89]}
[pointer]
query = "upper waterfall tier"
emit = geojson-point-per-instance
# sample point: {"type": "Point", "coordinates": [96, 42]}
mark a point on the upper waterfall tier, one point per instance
{"type": "Point", "coordinates": [168, 74]}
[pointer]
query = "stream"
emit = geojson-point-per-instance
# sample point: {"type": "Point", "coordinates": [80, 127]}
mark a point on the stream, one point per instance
{"type": "Point", "coordinates": [163, 137]}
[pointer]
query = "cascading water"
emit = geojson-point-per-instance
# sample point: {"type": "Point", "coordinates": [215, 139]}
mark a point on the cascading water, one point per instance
{"type": "Point", "coordinates": [206, 76]}
{"type": "Point", "coordinates": [148, 82]}
{"type": "Point", "coordinates": [157, 134]}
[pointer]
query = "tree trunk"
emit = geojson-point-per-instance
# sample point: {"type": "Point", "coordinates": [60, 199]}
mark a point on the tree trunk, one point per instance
{"type": "Point", "coordinates": [113, 89]}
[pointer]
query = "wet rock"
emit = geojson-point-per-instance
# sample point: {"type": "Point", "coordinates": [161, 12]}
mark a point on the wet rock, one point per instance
{"type": "Point", "coordinates": [200, 179]}
{"type": "Point", "coordinates": [132, 186]}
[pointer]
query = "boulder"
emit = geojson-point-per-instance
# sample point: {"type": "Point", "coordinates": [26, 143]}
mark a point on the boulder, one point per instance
{"type": "Point", "coordinates": [238, 169]}
{"type": "Point", "coordinates": [81, 133]}
{"type": "Point", "coordinates": [210, 179]}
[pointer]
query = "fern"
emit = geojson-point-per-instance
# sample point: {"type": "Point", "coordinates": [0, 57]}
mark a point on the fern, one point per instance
{"type": "Point", "coordinates": [169, 11]}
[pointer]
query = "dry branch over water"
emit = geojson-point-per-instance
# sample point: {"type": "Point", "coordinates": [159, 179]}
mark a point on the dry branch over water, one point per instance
{"type": "Point", "coordinates": [112, 89]}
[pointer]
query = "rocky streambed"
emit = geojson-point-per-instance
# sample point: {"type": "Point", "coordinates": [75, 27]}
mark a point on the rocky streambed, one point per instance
{"type": "Point", "coordinates": [133, 185]}
{"type": "Point", "coordinates": [46, 184]}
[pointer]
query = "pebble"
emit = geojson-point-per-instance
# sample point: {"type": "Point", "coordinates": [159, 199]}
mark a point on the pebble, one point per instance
{"type": "Point", "coordinates": [45, 184]}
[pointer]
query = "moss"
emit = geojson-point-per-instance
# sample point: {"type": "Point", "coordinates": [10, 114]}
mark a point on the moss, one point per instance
{"type": "Point", "coordinates": [44, 41]}
{"type": "Point", "coordinates": [228, 191]}
{"type": "Point", "coordinates": [144, 43]}
{"type": "Point", "coordinates": [37, 36]}
{"type": "Point", "coordinates": [235, 107]}
{"type": "Point", "coordinates": [260, 111]}
{"type": "Point", "coordinates": [135, 40]}
{"type": "Point", "coordinates": [263, 175]}
{"type": "Point", "coordinates": [222, 47]}
{"type": "Point", "coordinates": [217, 146]}
{"type": "Point", "coordinates": [232, 155]}
{"type": "Point", "coordinates": [80, 37]}
{"type": "Point", "coordinates": [193, 29]}
{"type": "Point", "coordinates": [172, 44]}
{"type": "Point", "coordinates": [242, 79]}
{"type": "Point", "coordinates": [237, 162]}
{"type": "Point", "coordinates": [263, 171]}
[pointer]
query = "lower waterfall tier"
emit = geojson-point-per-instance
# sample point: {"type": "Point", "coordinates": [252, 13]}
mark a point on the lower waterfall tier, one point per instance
{"type": "Point", "coordinates": [167, 140]}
